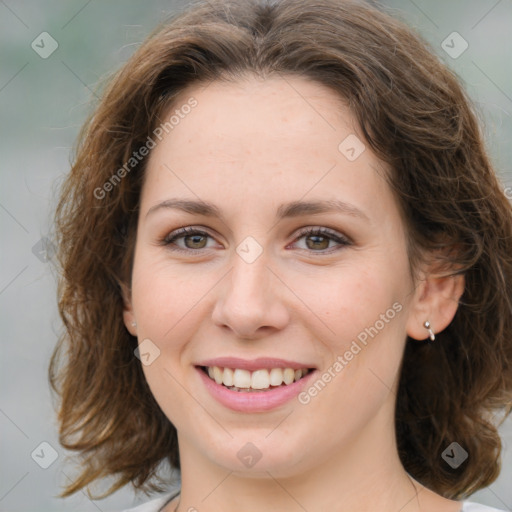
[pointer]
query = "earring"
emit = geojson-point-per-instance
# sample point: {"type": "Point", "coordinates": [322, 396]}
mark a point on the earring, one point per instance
{"type": "Point", "coordinates": [134, 324]}
{"type": "Point", "coordinates": [431, 334]}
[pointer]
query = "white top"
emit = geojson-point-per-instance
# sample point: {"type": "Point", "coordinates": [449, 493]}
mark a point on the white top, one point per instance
{"type": "Point", "coordinates": [158, 504]}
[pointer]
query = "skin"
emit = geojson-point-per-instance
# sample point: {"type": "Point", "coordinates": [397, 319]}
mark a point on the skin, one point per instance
{"type": "Point", "coordinates": [248, 147]}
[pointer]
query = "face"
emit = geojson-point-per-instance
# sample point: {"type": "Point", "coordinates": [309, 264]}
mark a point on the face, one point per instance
{"type": "Point", "coordinates": [270, 248]}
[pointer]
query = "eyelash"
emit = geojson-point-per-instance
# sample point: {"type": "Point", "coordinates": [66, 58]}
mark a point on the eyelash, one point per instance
{"type": "Point", "coordinates": [170, 239]}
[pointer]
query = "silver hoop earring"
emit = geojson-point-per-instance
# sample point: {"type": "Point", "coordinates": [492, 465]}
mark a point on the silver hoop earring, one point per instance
{"type": "Point", "coordinates": [431, 334]}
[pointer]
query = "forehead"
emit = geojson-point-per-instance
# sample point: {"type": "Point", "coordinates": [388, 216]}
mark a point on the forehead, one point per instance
{"type": "Point", "coordinates": [281, 107]}
{"type": "Point", "coordinates": [263, 138]}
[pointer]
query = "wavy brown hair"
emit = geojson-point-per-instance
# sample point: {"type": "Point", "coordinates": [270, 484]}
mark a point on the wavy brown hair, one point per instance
{"type": "Point", "coordinates": [415, 117]}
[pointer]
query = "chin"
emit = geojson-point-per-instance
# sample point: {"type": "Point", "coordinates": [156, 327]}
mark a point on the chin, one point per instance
{"type": "Point", "coordinates": [253, 455]}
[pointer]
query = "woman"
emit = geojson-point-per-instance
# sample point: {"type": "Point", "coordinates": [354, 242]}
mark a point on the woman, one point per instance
{"type": "Point", "coordinates": [286, 270]}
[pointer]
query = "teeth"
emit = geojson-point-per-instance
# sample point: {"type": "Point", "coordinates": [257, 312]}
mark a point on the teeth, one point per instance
{"type": "Point", "coordinates": [276, 377]}
{"type": "Point", "coordinates": [241, 378]}
{"type": "Point", "coordinates": [217, 374]}
{"type": "Point", "coordinates": [228, 377]}
{"type": "Point", "coordinates": [289, 375]}
{"type": "Point", "coordinates": [244, 380]}
{"type": "Point", "coordinates": [260, 379]}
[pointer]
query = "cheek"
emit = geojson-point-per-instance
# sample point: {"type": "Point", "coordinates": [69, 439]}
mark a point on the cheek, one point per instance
{"type": "Point", "coordinates": [364, 312]}
{"type": "Point", "coordinates": [357, 302]}
{"type": "Point", "coordinates": [166, 308]}
{"type": "Point", "coordinates": [165, 296]}
{"type": "Point", "coordinates": [162, 302]}
{"type": "Point", "coordinates": [363, 365]}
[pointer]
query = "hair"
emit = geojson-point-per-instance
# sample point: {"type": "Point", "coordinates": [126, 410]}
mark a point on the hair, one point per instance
{"type": "Point", "coordinates": [416, 118]}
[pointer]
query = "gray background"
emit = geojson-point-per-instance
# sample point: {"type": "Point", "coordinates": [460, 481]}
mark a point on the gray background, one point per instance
{"type": "Point", "coordinates": [43, 102]}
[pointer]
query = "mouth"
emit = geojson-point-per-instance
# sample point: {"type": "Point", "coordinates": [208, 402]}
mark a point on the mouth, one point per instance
{"type": "Point", "coordinates": [254, 386]}
{"type": "Point", "coordinates": [260, 380]}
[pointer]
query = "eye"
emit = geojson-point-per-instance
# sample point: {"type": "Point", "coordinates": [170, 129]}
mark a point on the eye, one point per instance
{"type": "Point", "coordinates": [188, 239]}
{"type": "Point", "coordinates": [321, 239]}
{"type": "Point", "coordinates": [318, 239]}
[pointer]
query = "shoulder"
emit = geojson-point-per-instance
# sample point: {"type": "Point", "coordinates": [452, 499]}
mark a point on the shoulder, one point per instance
{"type": "Point", "coordinates": [468, 506]}
{"type": "Point", "coordinates": [154, 505]}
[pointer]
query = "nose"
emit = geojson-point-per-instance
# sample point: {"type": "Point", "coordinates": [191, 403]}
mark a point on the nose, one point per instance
{"type": "Point", "coordinates": [251, 301]}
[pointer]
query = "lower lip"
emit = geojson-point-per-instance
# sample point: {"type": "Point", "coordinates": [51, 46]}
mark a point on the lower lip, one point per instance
{"type": "Point", "coordinates": [254, 401]}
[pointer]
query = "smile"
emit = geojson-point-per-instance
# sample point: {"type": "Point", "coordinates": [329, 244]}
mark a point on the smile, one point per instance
{"type": "Point", "coordinates": [253, 386]}
{"type": "Point", "coordinates": [241, 380]}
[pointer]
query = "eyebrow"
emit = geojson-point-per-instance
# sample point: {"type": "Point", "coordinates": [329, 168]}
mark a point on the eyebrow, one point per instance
{"type": "Point", "coordinates": [288, 210]}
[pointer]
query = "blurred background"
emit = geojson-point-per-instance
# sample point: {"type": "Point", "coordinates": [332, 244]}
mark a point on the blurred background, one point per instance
{"type": "Point", "coordinates": [53, 56]}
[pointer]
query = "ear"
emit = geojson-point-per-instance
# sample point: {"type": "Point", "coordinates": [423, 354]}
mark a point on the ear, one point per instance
{"type": "Point", "coordinates": [436, 300]}
{"type": "Point", "coordinates": [128, 315]}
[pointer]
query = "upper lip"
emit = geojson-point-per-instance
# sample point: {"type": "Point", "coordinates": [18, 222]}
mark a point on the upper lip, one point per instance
{"type": "Point", "coordinates": [253, 364]}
